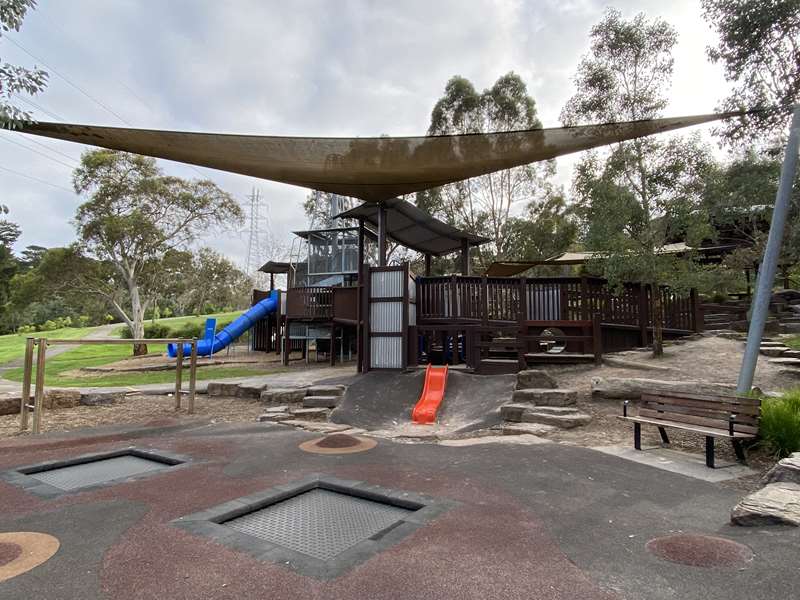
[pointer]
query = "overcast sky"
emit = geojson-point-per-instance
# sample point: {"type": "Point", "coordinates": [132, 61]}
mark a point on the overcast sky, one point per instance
{"type": "Point", "coordinates": [319, 68]}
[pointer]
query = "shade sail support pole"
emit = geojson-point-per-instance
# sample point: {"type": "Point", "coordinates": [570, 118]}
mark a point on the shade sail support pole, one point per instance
{"type": "Point", "coordinates": [465, 257]}
{"type": "Point", "coordinates": [769, 264]}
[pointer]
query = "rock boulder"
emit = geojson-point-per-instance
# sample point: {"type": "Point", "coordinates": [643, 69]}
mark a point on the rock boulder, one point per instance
{"type": "Point", "coordinates": [630, 388]}
{"type": "Point", "coordinates": [535, 378]}
{"type": "Point", "coordinates": [774, 504]}
{"type": "Point", "coordinates": [787, 470]}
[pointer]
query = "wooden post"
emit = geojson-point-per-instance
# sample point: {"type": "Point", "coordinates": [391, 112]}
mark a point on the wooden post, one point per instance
{"type": "Point", "coordinates": [287, 342]}
{"type": "Point", "coordinates": [697, 311]}
{"type": "Point", "coordinates": [178, 375]}
{"type": "Point", "coordinates": [38, 401]}
{"type": "Point", "coordinates": [428, 258]}
{"type": "Point", "coordinates": [332, 357]}
{"type": "Point", "coordinates": [522, 328]}
{"type": "Point", "coordinates": [465, 257]}
{"type": "Point", "coordinates": [25, 400]}
{"type": "Point", "coordinates": [485, 300]}
{"type": "Point", "coordinates": [643, 315]}
{"type": "Point", "coordinates": [597, 339]}
{"type": "Point", "coordinates": [584, 299]}
{"type": "Point", "coordinates": [192, 376]}
{"type": "Point", "coordinates": [271, 281]}
{"type": "Point", "coordinates": [381, 235]}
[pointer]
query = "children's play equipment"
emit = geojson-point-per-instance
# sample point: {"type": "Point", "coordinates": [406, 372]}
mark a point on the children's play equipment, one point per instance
{"type": "Point", "coordinates": [214, 343]}
{"type": "Point", "coordinates": [432, 395]}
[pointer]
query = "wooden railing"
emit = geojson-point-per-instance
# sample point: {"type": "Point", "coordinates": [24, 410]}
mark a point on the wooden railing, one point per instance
{"type": "Point", "coordinates": [315, 302]}
{"type": "Point", "coordinates": [505, 300]}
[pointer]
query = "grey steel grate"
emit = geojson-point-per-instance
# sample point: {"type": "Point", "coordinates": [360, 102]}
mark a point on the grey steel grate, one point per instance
{"type": "Point", "coordinates": [97, 471]}
{"type": "Point", "coordinates": [319, 523]}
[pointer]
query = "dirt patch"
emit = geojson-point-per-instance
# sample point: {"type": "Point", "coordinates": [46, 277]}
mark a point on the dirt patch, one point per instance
{"type": "Point", "coordinates": [138, 408]}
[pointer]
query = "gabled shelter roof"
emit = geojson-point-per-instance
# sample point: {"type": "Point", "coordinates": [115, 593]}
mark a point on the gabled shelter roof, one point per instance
{"type": "Point", "coordinates": [275, 267]}
{"type": "Point", "coordinates": [414, 228]}
{"type": "Point", "coordinates": [373, 169]}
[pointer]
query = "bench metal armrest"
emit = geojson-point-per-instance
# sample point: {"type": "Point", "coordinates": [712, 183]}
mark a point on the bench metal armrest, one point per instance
{"type": "Point", "coordinates": [731, 420]}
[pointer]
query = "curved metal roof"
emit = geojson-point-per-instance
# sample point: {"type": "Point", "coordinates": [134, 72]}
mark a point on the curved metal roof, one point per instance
{"type": "Point", "coordinates": [414, 228]}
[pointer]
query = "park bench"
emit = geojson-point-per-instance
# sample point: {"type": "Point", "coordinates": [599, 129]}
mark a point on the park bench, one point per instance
{"type": "Point", "coordinates": [714, 416]}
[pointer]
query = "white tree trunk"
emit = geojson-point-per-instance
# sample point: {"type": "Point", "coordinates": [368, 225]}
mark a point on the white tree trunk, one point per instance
{"type": "Point", "coordinates": [137, 317]}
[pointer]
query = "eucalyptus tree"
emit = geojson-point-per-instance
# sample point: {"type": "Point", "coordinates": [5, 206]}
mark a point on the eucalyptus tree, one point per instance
{"type": "Point", "coordinates": [133, 217]}
{"type": "Point", "coordinates": [15, 79]}
{"type": "Point", "coordinates": [638, 195]}
{"type": "Point", "coordinates": [759, 49]}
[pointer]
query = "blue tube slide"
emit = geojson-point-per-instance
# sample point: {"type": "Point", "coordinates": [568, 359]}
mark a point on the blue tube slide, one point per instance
{"type": "Point", "coordinates": [210, 345]}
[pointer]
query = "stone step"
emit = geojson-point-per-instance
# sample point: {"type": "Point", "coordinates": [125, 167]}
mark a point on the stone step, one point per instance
{"type": "Point", "coordinates": [321, 401]}
{"type": "Point", "coordinates": [535, 378]}
{"type": "Point", "coordinates": [785, 362]}
{"type": "Point", "coordinates": [250, 391]}
{"type": "Point", "coordinates": [276, 417]}
{"type": "Point", "coordinates": [558, 416]}
{"type": "Point", "coordinates": [717, 326]}
{"type": "Point", "coordinates": [309, 414]}
{"type": "Point", "coordinates": [769, 342]}
{"type": "Point", "coordinates": [791, 354]}
{"type": "Point", "coordinates": [221, 388]}
{"type": "Point", "coordinates": [283, 395]}
{"type": "Point", "coordinates": [791, 328]}
{"type": "Point", "coordinates": [773, 351]}
{"type": "Point", "coordinates": [325, 390]}
{"type": "Point", "coordinates": [545, 397]}
{"type": "Point", "coordinates": [527, 429]}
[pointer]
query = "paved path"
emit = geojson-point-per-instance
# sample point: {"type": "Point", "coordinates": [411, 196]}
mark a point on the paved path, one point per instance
{"type": "Point", "coordinates": [529, 522]}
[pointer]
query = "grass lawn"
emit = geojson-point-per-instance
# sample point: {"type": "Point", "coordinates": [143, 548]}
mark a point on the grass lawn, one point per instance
{"type": "Point", "coordinates": [12, 346]}
{"type": "Point", "coordinates": [793, 342]}
{"type": "Point", "coordinates": [56, 371]}
{"type": "Point", "coordinates": [177, 322]}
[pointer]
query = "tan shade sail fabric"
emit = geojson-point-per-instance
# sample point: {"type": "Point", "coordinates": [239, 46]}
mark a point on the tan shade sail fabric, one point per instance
{"type": "Point", "coordinates": [372, 169]}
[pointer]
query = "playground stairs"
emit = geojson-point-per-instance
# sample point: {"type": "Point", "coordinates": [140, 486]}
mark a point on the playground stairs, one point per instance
{"type": "Point", "coordinates": [539, 407]}
{"type": "Point", "coordinates": [300, 403]}
{"type": "Point", "coordinates": [503, 358]}
{"type": "Point", "coordinates": [784, 314]}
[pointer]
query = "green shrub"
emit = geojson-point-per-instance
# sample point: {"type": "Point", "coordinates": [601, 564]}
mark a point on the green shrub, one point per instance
{"type": "Point", "coordinates": [151, 331]}
{"type": "Point", "coordinates": [780, 423]}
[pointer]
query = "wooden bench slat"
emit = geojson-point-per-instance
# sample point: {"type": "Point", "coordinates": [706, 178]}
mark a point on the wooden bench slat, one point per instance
{"type": "Point", "coordinates": [709, 404]}
{"type": "Point", "coordinates": [709, 431]}
{"type": "Point", "coordinates": [693, 420]}
{"type": "Point", "coordinates": [722, 415]}
{"type": "Point", "coordinates": [732, 399]}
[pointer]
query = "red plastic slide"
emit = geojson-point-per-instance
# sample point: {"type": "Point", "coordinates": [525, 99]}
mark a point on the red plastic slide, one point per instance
{"type": "Point", "coordinates": [432, 395]}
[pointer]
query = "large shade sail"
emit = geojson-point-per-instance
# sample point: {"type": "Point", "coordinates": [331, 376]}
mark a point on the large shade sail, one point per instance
{"type": "Point", "coordinates": [372, 169]}
{"type": "Point", "coordinates": [414, 228]}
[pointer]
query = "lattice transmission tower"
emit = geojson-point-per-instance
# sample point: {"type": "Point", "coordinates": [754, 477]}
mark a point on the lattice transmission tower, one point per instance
{"type": "Point", "coordinates": [259, 239]}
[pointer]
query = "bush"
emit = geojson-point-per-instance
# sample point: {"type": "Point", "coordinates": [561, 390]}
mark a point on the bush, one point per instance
{"type": "Point", "coordinates": [780, 423]}
{"type": "Point", "coordinates": [151, 331]}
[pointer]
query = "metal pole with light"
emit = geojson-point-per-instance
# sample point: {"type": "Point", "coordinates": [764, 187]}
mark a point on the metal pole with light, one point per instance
{"type": "Point", "coordinates": [769, 265]}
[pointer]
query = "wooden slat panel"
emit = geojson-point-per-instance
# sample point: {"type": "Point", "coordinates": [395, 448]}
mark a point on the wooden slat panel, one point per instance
{"type": "Point", "coordinates": [702, 412]}
{"type": "Point", "coordinates": [692, 420]}
{"type": "Point", "coordinates": [723, 397]}
{"type": "Point", "coordinates": [739, 409]}
{"type": "Point", "coordinates": [711, 431]}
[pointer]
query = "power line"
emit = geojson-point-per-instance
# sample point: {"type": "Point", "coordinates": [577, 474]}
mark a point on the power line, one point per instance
{"type": "Point", "coordinates": [37, 179]}
{"type": "Point", "coordinates": [38, 143]}
{"type": "Point", "coordinates": [77, 87]}
{"type": "Point", "coordinates": [61, 162]}
{"type": "Point", "coordinates": [50, 114]}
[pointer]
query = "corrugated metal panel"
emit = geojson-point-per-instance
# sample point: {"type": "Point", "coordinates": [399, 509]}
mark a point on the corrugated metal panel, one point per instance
{"type": "Point", "coordinates": [386, 317]}
{"type": "Point", "coordinates": [544, 303]}
{"type": "Point", "coordinates": [412, 315]}
{"type": "Point", "coordinates": [386, 284]}
{"type": "Point", "coordinates": [386, 353]}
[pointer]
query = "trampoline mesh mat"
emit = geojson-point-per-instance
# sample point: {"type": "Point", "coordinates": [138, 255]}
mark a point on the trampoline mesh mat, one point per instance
{"type": "Point", "coordinates": [319, 523]}
{"type": "Point", "coordinates": [98, 471]}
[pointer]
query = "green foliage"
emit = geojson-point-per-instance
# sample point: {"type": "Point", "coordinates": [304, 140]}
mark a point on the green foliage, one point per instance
{"type": "Point", "coordinates": [151, 331]}
{"type": "Point", "coordinates": [15, 79]}
{"type": "Point", "coordinates": [759, 49]}
{"type": "Point", "coordinates": [780, 423]}
{"type": "Point", "coordinates": [488, 205]}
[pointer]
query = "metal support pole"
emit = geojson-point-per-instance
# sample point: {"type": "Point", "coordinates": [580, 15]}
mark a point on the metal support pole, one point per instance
{"type": "Point", "coordinates": [766, 274]}
{"type": "Point", "coordinates": [465, 257]}
{"type": "Point", "coordinates": [192, 375]}
{"type": "Point", "coordinates": [38, 395]}
{"type": "Point", "coordinates": [25, 400]}
{"type": "Point", "coordinates": [381, 235]}
{"type": "Point", "coordinates": [178, 375]}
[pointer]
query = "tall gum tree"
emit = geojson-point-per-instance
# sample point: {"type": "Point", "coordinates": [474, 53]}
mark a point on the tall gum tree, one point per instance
{"type": "Point", "coordinates": [638, 195]}
{"type": "Point", "coordinates": [133, 217]}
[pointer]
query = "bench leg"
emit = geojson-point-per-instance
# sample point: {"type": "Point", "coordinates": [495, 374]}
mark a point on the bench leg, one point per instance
{"type": "Point", "coordinates": [710, 452]}
{"type": "Point", "coordinates": [637, 436]}
{"type": "Point", "coordinates": [739, 450]}
{"type": "Point", "coordinates": [664, 437]}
